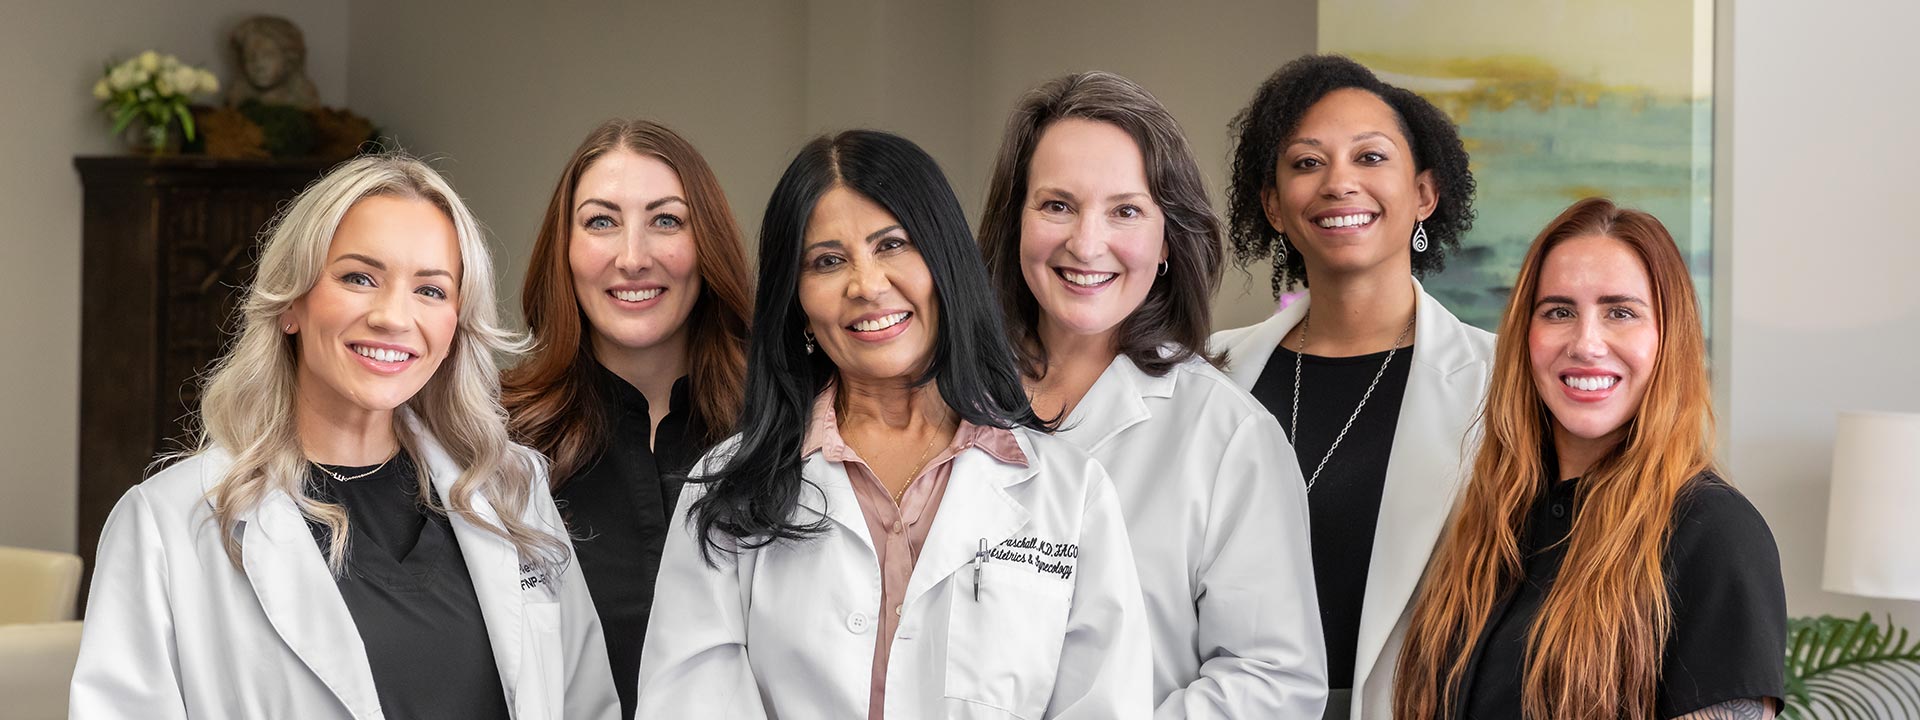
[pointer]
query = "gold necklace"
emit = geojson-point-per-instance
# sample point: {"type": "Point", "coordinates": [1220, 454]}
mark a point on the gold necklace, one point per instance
{"type": "Point", "coordinates": [924, 457]}
{"type": "Point", "coordinates": [342, 478]}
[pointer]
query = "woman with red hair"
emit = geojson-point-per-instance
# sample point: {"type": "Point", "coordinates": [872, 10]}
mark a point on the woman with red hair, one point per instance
{"type": "Point", "coordinates": [1597, 565]}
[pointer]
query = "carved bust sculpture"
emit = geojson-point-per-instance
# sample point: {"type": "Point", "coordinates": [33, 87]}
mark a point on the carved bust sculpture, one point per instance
{"type": "Point", "coordinates": [271, 57]}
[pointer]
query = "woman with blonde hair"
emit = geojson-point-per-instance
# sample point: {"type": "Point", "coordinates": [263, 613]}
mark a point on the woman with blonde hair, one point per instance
{"type": "Point", "coordinates": [1597, 565]}
{"type": "Point", "coordinates": [354, 535]}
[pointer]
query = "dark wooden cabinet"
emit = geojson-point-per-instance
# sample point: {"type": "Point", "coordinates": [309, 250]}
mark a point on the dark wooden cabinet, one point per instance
{"type": "Point", "coordinates": [167, 246]}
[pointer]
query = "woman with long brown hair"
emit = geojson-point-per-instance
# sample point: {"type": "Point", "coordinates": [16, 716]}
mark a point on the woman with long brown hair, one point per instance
{"type": "Point", "coordinates": [637, 297]}
{"type": "Point", "coordinates": [1597, 566]}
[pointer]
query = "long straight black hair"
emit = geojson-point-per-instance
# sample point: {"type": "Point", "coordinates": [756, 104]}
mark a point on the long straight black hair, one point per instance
{"type": "Point", "coordinates": [752, 495]}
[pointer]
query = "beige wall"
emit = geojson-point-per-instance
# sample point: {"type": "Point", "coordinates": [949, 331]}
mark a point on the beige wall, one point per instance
{"type": "Point", "coordinates": [1821, 253]}
{"type": "Point", "coordinates": [50, 54]}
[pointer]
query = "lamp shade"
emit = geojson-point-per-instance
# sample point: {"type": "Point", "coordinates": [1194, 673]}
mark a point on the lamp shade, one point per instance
{"type": "Point", "coordinates": [1873, 512]}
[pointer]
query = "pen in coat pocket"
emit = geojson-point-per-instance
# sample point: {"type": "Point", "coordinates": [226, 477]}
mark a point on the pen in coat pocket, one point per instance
{"type": "Point", "coordinates": [979, 560]}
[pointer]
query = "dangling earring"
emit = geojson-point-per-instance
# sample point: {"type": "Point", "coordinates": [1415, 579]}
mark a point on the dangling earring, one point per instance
{"type": "Point", "coordinates": [1420, 237]}
{"type": "Point", "coordinates": [1163, 268]}
{"type": "Point", "coordinates": [1280, 264]}
{"type": "Point", "coordinates": [807, 335]}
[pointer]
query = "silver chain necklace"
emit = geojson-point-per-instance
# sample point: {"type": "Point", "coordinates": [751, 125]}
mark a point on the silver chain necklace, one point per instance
{"type": "Point", "coordinates": [1305, 324]}
{"type": "Point", "coordinates": [342, 478]}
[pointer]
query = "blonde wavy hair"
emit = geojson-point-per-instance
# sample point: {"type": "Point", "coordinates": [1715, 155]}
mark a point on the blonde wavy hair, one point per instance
{"type": "Point", "coordinates": [247, 409]}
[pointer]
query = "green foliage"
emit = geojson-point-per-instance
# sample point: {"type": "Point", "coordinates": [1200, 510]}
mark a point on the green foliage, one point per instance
{"type": "Point", "coordinates": [1851, 668]}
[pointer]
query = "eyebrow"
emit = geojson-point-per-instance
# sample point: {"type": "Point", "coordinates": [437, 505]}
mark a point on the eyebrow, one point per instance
{"type": "Point", "coordinates": [1110, 198]}
{"type": "Point", "coordinates": [1604, 300]}
{"type": "Point", "coordinates": [872, 236]}
{"type": "Point", "coordinates": [1370, 134]}
{"type": "Point", "coordinates": [598, 201]}
{"type": "Point", "coordinates": [665, 200]}
{"type": "Point", "coordinates": [377, 265]}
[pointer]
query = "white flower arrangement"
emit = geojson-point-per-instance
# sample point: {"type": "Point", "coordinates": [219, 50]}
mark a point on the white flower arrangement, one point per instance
{"type": "Point", "coordinates": [153, 87]}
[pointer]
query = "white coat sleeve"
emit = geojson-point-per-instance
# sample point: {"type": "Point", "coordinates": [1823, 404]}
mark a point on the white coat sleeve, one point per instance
{"type": "Point", "coordinates": [129, 666]}
{"type": "Point", "coordinates": [1263, 651]}
{"type": "Point", "coordinates": [589, 692]}
{"type": "Point", "coordinates": [1106, 662]}
{"type": "Point", "coordinates": [694, 662]}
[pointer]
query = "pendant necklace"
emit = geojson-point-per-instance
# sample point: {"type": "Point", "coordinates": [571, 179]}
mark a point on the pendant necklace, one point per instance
{"type": "Point", "coordinates": [1294, 432]}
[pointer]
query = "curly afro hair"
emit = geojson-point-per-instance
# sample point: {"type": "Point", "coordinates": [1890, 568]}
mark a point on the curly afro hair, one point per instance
{"type": "Point", "coordinates": [1275, 114]}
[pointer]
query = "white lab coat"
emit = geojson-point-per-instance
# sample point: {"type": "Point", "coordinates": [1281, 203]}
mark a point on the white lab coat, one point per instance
{"type": "Point", "coordinates": [1218, 517]}
{"type": "Point", "coordinates": [174, 630]}
{"type": "Point", "coordinates": [787, 631]}
{"type": "Point", "coordinates": [1432, 445]}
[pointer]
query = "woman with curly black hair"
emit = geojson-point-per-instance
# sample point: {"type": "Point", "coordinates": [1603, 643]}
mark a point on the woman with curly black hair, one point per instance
{"type": "Point", "coordinates": [1347, 184]}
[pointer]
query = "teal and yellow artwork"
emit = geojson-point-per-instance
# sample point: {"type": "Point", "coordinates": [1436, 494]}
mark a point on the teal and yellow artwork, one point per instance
{"type": "Point", "coordinates": [1556, 101]}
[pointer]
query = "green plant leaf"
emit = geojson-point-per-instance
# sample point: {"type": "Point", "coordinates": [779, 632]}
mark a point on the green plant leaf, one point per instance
{"type": "Point", "coordinates": [124, 118]}
{"type": "Point", "coordinates": [186, 120]}
{"type": "Point", "coordinates": [1848, 668]}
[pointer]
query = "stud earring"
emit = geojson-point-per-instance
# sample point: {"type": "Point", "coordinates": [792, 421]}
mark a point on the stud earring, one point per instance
{"type": "Point", "coordinates": [1420, 237]}
{"type": "Point", "coordinates": [289, 328]}
{"type": "Point", "coordinates": [807, 335]}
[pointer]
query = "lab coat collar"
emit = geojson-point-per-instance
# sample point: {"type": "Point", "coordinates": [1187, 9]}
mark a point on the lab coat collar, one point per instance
{"type": "Point", "coordinates": [287, 572]}
{"type": "Point", "coordinates": [1116, 401]}
{"type": "Point", "coordinates": [1430, 444]}
{"type": "Point", "coordinates": [975, 506]}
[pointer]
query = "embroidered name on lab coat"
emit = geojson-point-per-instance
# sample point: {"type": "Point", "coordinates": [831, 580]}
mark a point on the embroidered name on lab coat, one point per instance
{"type": "Point", "coordinates": [1056, 559]}
{"type": "Point", "coordinates": [530, 579]}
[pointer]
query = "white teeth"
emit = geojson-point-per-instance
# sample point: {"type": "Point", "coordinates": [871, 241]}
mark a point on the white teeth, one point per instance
{"type": "Point", "coordinates": [638, 295]}
{"type": "Point", "coordinates": [1087, 279]}
{"type": "Point", "coordinates": [1340, 221]}
{"type": "Point", "coordinates": [1589, 384]}
{"type": "Point", "coordinates": [382, 354]}
{"type": "Point", "coordinates": [880, 323]}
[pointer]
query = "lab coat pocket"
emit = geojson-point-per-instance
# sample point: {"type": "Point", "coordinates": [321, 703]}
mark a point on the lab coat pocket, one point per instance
{"type": "Point", "coordinates": [543, 668]}
{"type": "Point", "coordinates": [1003, 645]}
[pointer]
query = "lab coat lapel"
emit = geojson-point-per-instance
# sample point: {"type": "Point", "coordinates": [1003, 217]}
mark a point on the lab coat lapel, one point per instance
{"type": "Point", "coordinates": [296, 590]}
{"type": "Point", "coordinates": [492, 562]}
{"type": "Point", "coordinates": [828, 492]}
{"type": "Point", "coordinates": [1250, 349]}
{"type": "Point", "coordinates": [1116, 401]}
{"type": "Point", "coordinates": [1430, 447]}
{"type": "Point", "coordinates": [975, 507]}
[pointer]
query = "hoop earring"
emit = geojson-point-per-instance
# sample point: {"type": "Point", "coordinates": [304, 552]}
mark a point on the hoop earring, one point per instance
{"type": "Point", "coordinates": [1163, 268]}
{"type": "Point", "coordinates": [1420, 237]}
{"type": "Point", "coordinates": [807, 335]}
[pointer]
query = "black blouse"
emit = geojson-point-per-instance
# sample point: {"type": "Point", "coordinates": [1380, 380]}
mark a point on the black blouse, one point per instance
{"type": "Point", "coordinates": [1723, 577]}
{"type": "Point", "coordinates": [407, 587]}
{"type": "Point", "coordinates": [619, 509]}
{"type": "Point", "coordinates": [1344, 504]}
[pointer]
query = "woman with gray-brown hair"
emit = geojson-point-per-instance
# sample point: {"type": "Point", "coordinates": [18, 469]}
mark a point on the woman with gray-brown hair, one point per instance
{"type": "Point", "coordinates": [1105, 255]}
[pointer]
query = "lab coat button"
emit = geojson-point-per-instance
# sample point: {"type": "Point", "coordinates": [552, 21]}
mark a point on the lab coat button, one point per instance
{"type": "Point", "coordinates": [898, 527]}
{"type": "Point", "coordinates": [857, 623]}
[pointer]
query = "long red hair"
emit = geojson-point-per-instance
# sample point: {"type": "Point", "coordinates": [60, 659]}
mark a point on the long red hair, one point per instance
{"type": "Point", "coordinates": [1594, 650]}
{"type": "Point", "coordinates": [552, 397]}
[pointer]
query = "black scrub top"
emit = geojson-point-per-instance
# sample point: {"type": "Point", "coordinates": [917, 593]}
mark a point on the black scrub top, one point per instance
{"type": "Point", "coordinates": [411, 598]}
{"type": "Point", "coordinates": [619, 509]}
{"type": "Point", "coordinates": [1723, 577]}
{"type": "Point", "coordinates": [1344, 504]}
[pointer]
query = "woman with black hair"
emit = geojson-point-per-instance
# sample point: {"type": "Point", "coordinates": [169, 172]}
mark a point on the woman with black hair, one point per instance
{"type": "Point", "coordinates": [1106, 253]}
{"type": "Point", "coordinates": [809, 577]}
{"type": "Point", "coordinates": [1348, 184]}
